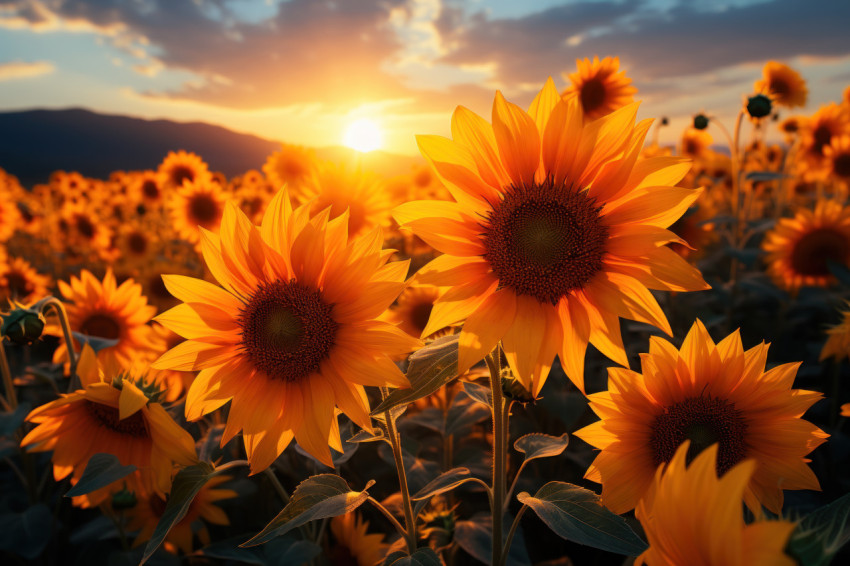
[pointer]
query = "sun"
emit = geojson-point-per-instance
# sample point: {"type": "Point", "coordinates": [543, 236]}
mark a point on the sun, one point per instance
{"type": "Point", "coordinates": [363, 135]}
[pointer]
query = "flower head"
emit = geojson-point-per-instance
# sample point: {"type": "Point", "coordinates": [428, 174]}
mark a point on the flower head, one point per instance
{"type": "Point", "coordinates": [783, 84]}
{"type": "Point", "coordinates": [600, 86]}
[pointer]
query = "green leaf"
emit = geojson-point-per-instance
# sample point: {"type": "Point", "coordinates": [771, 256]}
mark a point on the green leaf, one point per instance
{"type": "Point", "coordinates": [187, 483]}
{"type": "Point", "coordinates": [101, 470]}
{"type": "Point", "coordinates": [478, 393]}
{"type": "Point", "coordinates": [765, 176]}
{"type": "Point", "coordinates": [97, 343]}
{"type": "Point", "coordinates": [821, 534]}
{"type": "Point", "coordinates": [476, 538]}
{"type": "Point", "coordinates": [577, 514]}
{"type": "Point", "coordinates": [374, 435]}
{"type": "Point", "coordinates": [430, 368]}
{"type": "Point", "coordinates": [443, 483]}
{"type": "Point", "coordinates": [317, 497]}
{"type": "Point", "coordinates": [26, 534]}
{"type": "Point", "coordinates": [422, 557]}
{"type": "Point", "coordinates": [538, 445]}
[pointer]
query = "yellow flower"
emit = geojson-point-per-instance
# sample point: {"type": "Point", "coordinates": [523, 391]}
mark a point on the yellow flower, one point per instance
{"type": "Point", "coordinates": [696, 143]}
{"type": "Point", "coordinates": [293, 334]}
{"type": "Point", "coordinates": [817, 132]}
{"type": "Point", "coordinates": [195, 205]}
{"type": "Point", "coordinates": [784, 85]}
{"type": "Point", "coordinates": [838, 343]}
{"type": "Point", "coordinates": [692, 518]}
{"type": "Point", "coordinates": [557, 231]}
{"type": "Point", "coordinates": [837, 155]}
{"type": "Point", "coordinates": [110, 414]}
{"type": "Point", "coordinates": [799, 249]}
{"type": "Point", "coordinates": [180, 167]}
{"type": "Point", "coordinates": [706, 394]}
{"type": "Point", "coordinates": [21, 282]}
{"type": "Point", "coordinates": [353, 545]}
{"type": "Point", "coordinates": [289, 167]}
{"type": "Point", "coordinates": [599, 87]}
{"type": "Point", "coordinates": [413, 309]}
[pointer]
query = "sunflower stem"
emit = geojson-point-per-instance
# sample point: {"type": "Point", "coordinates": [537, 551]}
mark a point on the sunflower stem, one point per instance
{"type": "Point", "coordinates": [62, 315]}
{"type": "Point", "coordinates": [388, 515]}
{"type": "Point", "coordinates": [496, 509]}
{"type": "Point", "coordinates": [395, 443]}
{"type": "Point", "coordinates": [510, 537]}
{"type": "Point", "coordinates": [11, 397]}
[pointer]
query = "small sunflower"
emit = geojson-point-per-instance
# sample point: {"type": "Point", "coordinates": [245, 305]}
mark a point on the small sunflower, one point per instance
{"type": "Point", "coordinates": [112, 413]}
{"type": "Point", "coordinates": [817, 133]}
{"type": "Point", "coordinates": [800, 249]}
{"type": "Point", "coordinates": [85, 231]}
{"type": "Point", "coordinates": [20, 281]}
{"type": "Point", "coordinates": [837, 154]}
{"type": "Point", "coordinates": [110, 311]}
{"type": "Point", "coordinates": [599, 87]}
{"type": "Point", "coordinates": [413, 309]}
{"type": "Point", "coordinates": [706, 393]}
{"type": "Point", "coordinates": [696, 144]}
{"type": "Point", "coordinates": [195, 205]}
{"type": "Point", "coordinates": [783, 84]}
{"type": "Point", "coordinates": [692, 517]}
{"type": "Point", "coordinates": [558, 230]}
{"type": "Point", "coordinates": [293, 334]}
{"type": "Point", "coordinates": [180, 167]}
{"type": "Point", "coordinates": [837, 344]}
{"type": "Point", "coordinates": [147, 189]}
{"type": "Point", "coordinates": [289, 167]}
{"type": "Point", "coordinates": [353, 546]}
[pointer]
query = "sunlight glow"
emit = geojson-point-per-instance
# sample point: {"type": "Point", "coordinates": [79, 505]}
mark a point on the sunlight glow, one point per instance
{"type": "Point", "coordinates": [363, 135]}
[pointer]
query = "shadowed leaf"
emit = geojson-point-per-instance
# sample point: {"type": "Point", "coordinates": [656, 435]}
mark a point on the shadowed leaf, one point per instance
{"type": "Point", "coordinates": [102, 470]}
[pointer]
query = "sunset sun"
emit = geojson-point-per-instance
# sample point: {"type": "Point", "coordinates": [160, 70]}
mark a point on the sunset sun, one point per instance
{"type": "Point", "coordinates": [363, 135]}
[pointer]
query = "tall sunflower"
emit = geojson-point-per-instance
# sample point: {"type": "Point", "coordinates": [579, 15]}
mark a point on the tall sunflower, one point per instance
{"type": "Point", "coordinates": [800, 249]}
{"type": "Point", "coordinates": [112, 413]}
{"type": "Point", "coordinates": [706, 393]}
{"type": "Point", "coordinates": [599, 87]}
{"type": "Point", "coordinates": [111, 311]}
{"type": "Point", "coordinates": [692, 517]}
{"type": "Point", "coordinates": [557, 231]}
{"type": "Point", "coordinates": [784, 85]}
{"type": "Point", "coordinates": [293, 334]}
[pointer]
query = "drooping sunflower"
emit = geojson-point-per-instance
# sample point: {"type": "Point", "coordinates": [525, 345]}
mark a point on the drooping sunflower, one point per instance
{"type": "Point", "coordinates": [837, 344]}
{"type": "Point", "coordinates": [20, 281]}
{"type": "Point", "coordinates": [358, 192]}
{"type": "Point", "coordinates": [146, 513]}
{"type": "Point", "coordinates": [599, 87]}
{"type": "Point", "coordinates": [111, 311]}
{"type": "Point", "coordinates": [290, 166]}
{"type": "Point", "coordinates": [706, 393]}
{"type": "Point", "coordinates": [692, 517]}
{"type": "Point", "coordinates": [783, 84]}
{"type": "Point", "coordinates": [194, 205]}
{"type": "Point", "coordinates": [353, 545]}
{"type": "Point", "coordinates": [115, 412]}
{"type": "Point", "coordinates": [180, 167]}
{"type": "Point", "coordinates": [557, 231]}
{"type": "Point", "coordinates": [800, 249]}
{"type": "Point", "coordinates": [293, 334]}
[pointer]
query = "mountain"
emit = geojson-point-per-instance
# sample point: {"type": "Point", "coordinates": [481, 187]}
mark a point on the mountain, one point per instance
{"type": "Point", "coordinates": [34, 143]}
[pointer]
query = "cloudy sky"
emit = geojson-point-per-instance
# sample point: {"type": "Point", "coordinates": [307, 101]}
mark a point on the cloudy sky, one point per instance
{"type": "Point", "coordinates": [301, 70]}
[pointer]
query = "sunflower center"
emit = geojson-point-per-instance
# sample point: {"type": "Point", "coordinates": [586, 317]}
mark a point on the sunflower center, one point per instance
{"type": "Point", "coordinates": [841, 165]}
{"type": "Point", "coordinates": [287, 330]}
{"type": "Point", "coordinates": [203, 209]}
{"type": "Point", "coordinates": [101, 326]}
{"type": "Point", "coordinates": [545, 240]}
{"type": "Point", "coordinates": [704, 421]}
{"type": "Point", "coordinates": [137, 243]}
{"type": "Point", "coordinates": [85, 227]}
{"type": "Point", "coordinates": [814, 251]}
{"type": "Point", "coordinates": [822, 136]}
{"type": "Point", "coordinates": [107, 416]}
{"type": "Point", "coordinates": [180, 174]}
{"type": "Point", "coordinates": [592, 94]}
{"type": "Point", "coordinates": [420, 314]}
{"type": "Point", "coordinates": [17, 284]}
{"type": "Point", "coordinates": [150, 189]}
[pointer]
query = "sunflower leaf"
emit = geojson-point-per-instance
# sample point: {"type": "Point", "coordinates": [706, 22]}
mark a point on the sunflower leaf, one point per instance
{"type": "Point", "coordinates": [822, 533]}
{"type": "Point", "coordinates": [478, 393]}
{"type": "Point", "coordinates": [422, 557]}
{"type": "Point", "coordinates": [374, 435]}
{"type": "Point", "coordinates": [317, 497]}
{"type": "Point", "coordinates": [766, 176]}
{"type": "Point", "coordinates": [97, 343]}
{"type": "Point", "coordinates": [538, 445]}
{"type": "Point", "coordinates": [430, 368]}
{"type": "Point", "coordinates": [101, 470]}
{"type": "Point", "coordinates": [187, 483]}
{"type": "Point", "coordinates": [443, 483]}
{"type": "Point", "coordinates": [577, 514]}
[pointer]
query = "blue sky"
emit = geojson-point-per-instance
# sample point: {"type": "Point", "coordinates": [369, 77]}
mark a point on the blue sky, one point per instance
{"type": "Point", "coordinates": [301, 70]}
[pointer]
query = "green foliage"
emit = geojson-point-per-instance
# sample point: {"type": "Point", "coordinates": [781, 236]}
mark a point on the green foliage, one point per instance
{"type": "Point", "coordinates": [821, 534]}
{"type": "Point", "coordinates": [101, 470]}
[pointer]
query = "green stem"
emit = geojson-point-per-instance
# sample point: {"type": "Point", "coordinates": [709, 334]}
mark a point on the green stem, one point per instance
{"type": "Point", "coordinates": [499, 451]}
{"type": "Point", "coordinates": [395, 443]}
{"type": "Point", "coordinates": [388, 515]}
{"type": "Point", "coordinates": [62, 315]}
{"type": "Point", "coordinates": [511, 533]}
{"type": "Point", "coordinates": [278, 487]}
{"type": "Point", "coordinates": [11, 398]}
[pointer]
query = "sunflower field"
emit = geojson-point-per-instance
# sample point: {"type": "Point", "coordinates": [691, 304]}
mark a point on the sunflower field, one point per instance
{"type": "Point", "coordinates": [555, 342]}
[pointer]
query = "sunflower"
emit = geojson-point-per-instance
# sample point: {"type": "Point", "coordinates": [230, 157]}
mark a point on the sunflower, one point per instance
{"type": "Point", "coordinates": [290, 166]}
{"type": "Point", "coordinates": [707, 394]}
{"type": "Point", "coordinates": [196, 204]}
{"type": "Point", "coordinates": [692, 517]}
{"type": "Point", "coordinates": [801, 249]}
{"type": "Point", "coordinates": [110, 311]}
{"type": "Point", "coordinates": [293, 335]}
{"type": "Point", "coordinates": [146, 513]}
{"type": "Point", "coordinates": [837, 154]}
{"type": "Point", "coordinates": [361, 194]}
{"type": "Point", "coordinates": [845, 410]}
{"type": "Point", "coordinates": [84, 231]}
{"type": "Point", "coordinates": [817, 133]}
{"type": "Point", "coordinates": [10, 216]}
{"type": "Point", "coordinates": [837, 344]}
{"type": "Point", "coordinates": [696, 144]}
{"type": "Point", "coordinates": [21, 282]}
{"type": "Point", "coordinates": [783, 84]}
{"type": "Point", "coordinates": [557, 231]}
{"type": "Point", "coordinates": [146, 189]}
{"type": "Point", "coordinates": [413, 309]}
{"type": "Point", "coordinates": [353, 546]}
{"type": "Point", "coordinates": [138, 244]}
{"type": "Point", "coordinates": [173, 383]}
{"type": "Point", "coordinates": [115, 412]}
{"type": "Point", "coordinates": [180, 167]}
{"type": "Point", "coordinates": [599, 87]}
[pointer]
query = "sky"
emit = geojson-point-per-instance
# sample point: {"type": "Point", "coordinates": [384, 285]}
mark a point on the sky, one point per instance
{"type": "Point", "coordinates": [301, 71]}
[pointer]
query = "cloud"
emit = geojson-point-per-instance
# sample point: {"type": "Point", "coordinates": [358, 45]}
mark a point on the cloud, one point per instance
{"type": "Point", "coordinates": [23, 70]}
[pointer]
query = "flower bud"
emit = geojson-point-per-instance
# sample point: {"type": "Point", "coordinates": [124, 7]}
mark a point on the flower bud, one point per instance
{"type": "Point", "coordinates": [700, 121]}
{"type": "Point", "coordinates": [759, 106]}
{"type": "Point", "coordinates": [22, 326]}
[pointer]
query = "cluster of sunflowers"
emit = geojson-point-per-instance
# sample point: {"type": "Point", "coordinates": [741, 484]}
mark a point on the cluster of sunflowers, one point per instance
{"type": "Point", "coordinates": [337, 320]}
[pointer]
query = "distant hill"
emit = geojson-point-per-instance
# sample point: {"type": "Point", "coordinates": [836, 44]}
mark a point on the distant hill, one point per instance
{"type": "Point", "coordinates": [35, 143]}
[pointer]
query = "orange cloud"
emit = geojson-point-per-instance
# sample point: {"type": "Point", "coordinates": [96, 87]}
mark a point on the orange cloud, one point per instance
{"type": "Point", "coordinates": [23, 70]}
